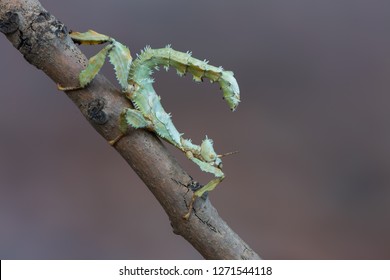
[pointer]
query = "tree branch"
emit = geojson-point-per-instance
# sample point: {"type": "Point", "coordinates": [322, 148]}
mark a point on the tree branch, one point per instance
{"type": "Point", "coordinates": [44, 42]}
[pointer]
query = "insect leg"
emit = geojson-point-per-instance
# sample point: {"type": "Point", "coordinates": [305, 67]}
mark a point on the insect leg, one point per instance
{"type": "Point", "coordinates": [133, 118]}
{"type": "Point", "coordinates": [95, 63]}
{"type": "Point", "coordinates": [206, 167]}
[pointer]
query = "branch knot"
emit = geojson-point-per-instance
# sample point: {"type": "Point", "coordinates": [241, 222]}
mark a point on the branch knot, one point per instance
{"type": "Point", "coordinates": [10, 23]}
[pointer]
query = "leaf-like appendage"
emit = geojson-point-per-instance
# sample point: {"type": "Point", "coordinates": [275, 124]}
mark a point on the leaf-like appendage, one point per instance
{"type": "Point", "coordinates": [189, 146]}
{"type": "Point", "coordinates": [206, 167]}
{"type": "Point", "coordinates": [207, 150]}
{"type": "Point", "coordinates": [208, 188]}
{"type": "Point", "coordinates": [89, 38]}
{"type": "Point", "coordinates": [94, 64]}
{"type": "Point", "coordinates": [231, 91]}
{"type": "Point", "coordinates": [121, 59]}
{"type": "Point", "coordinates": [197, 68]}
{"type": "Point", "coordinates": [134, 118]}
{"type": "Point", "coordinates": [179, 61]}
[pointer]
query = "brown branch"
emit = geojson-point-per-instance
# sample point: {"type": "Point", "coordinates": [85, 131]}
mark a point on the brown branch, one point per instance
{"type": "Point", "coordinates": [44, 42]}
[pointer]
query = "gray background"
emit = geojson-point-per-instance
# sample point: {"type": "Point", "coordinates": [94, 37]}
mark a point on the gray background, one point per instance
{"type": "Point", "coordinates": [312, 176]}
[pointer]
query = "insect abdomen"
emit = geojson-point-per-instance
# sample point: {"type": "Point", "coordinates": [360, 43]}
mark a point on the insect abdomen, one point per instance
{"type": "Point", "coordinates": [149, 59]}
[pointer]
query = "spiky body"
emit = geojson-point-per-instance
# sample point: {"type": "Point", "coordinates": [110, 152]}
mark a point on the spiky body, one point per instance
{"type": "Point", "coordinates": [137, 84]}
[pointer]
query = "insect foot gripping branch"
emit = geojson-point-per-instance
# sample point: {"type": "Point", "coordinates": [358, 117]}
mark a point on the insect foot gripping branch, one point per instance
{"type": "Point", "coordinates": [136, 82]}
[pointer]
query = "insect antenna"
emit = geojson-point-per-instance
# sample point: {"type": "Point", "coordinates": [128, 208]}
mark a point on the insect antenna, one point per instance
{"type": "Point", "coordinates": [228, 154]}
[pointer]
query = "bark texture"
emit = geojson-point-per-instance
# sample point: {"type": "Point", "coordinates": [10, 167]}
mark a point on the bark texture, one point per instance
{"type": "Point", "coordinates": [44, 42]}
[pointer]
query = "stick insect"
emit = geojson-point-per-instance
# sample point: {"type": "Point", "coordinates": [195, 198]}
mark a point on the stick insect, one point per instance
{"type": "Point", "coordinates": [136, 83]}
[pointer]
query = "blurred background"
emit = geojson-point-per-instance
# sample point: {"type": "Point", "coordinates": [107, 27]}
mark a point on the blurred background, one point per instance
{"type": "Point", "coordinates": [311, 180]}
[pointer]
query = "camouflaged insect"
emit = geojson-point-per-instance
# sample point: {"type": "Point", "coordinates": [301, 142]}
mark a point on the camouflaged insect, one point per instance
{"type": "Point", "coordinates": [135, 80]}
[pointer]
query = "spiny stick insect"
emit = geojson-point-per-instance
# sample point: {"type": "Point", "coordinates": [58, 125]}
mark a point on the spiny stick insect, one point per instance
{"type": "Point", "coordinates": [135, 80]}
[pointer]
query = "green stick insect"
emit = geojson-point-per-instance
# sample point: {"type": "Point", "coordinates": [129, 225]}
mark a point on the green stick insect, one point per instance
{"type": "Point", "coordinates": [136, 83]}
